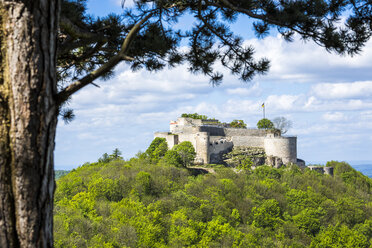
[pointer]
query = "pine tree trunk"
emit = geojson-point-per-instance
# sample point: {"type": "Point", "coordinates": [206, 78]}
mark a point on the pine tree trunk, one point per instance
{"type": "Point", "coordinates": [28, 119]}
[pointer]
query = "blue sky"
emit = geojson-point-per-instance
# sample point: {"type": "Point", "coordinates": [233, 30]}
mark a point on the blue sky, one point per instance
{"type": "Point", "coordinates": [327, 97]}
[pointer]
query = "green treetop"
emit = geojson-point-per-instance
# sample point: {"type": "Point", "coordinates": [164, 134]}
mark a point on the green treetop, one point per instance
{"type": "Point", "coordinates": [186, 151]}
{"type": "Point", "coordinates": [238, 124]}
{"type": "Point", "coordinates": [195, 116]}
{"type": "Point", "coordinates": [265, 124]}
{"type": "Point", "coordinates": [157, 149]}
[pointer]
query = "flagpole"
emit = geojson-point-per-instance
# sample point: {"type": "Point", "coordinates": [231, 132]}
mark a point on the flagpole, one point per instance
{"type": "Point", "coordinates": [264, 111]}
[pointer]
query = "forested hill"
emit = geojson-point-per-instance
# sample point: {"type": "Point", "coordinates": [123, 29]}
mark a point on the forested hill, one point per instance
{"type": "Point", "coordinates": [137, 203]}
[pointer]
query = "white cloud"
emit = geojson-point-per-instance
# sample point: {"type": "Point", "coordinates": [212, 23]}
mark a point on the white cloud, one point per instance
{"type": "Point", "coordinates": [343, 90]}
{"type": "Point", "coordinates": [254, 90]}
{"type": "Point", "coordinates": [334, 116]}
{"type": "Point", "coordinates": [284, 102]}
{"type": "Point", "coordinates": [366, 115]}
{"type": "Point", "coordinates": [306, 62]}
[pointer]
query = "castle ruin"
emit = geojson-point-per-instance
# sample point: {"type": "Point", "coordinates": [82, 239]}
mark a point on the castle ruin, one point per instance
{"type": "Point", "coordinates": [211, 139]}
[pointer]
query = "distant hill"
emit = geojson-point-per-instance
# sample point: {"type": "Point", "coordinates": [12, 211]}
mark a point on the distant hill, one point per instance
{"type": "Point", "coordinates": [366, 169]}
{"type": "Point", "coordinates": [142, 203]}
{"type": "Point", "coordinates": [60, 173]}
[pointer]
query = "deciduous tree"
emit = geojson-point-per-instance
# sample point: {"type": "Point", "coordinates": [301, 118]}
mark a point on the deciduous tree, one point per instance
{"type": "Point", "coordinates": [186, 151]}
{"type": "Point", "coordinates": [265, 124]}
{"type": "Point", "coordinates": [282, 124]}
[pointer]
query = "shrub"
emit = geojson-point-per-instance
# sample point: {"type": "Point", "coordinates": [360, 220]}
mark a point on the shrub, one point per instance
{"type": "Point", "coordinates": [186, 151]}
{"type": "Point", "coordinates": [195, 116]}
{"type": "Point", "coordinates": [265, 124]}
{"type": "Point", "coordinates": [238, 124]}
{"type": "Point", "coordinates": [157, 149]}
{"type": "Point", "coordinates": [172, 158]}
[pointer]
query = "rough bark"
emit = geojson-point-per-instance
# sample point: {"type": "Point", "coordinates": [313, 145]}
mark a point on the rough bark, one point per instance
{"type": "Point", "coordinates": [28, 119]}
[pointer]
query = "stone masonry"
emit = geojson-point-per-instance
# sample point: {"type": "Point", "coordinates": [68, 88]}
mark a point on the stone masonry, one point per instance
{"type": "Point", "coordinates": [212, 139]}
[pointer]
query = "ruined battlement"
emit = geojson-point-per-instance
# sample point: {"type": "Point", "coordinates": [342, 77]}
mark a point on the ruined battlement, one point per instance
{"type": "Point", "coordinates": [211, 139]}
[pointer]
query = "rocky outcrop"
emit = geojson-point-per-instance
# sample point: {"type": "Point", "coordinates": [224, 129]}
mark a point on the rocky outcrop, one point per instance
{"type": "Point", "coordinates": [274, 161]}
{"type": "Point", "coordinates": [239, 155]}
{"type": "Point", "coordinates": [256, 157]}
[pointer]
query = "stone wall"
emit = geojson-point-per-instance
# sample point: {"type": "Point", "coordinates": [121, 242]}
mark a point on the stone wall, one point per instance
{"type": "Point", "coordinates": [322, 169]}
{"type": "Point", "coordinates": [244, 132]}
{"type": "Point", "coordinates": [213, 131]}
{"type": "Point", "coordinates": [171, 139]}
{"type": "Point", "coordinates": [217, 148]}
{"type": "Point", "coordinates": [202, 147]}
{"type": "Point", "coordinates": [282, 147]}
{"type": "Point", "coordinates": [211, 140]}
{"type": "Point", "coordinates": [254, 141]}
{"type": "Point", "coordinates": [187, 137]}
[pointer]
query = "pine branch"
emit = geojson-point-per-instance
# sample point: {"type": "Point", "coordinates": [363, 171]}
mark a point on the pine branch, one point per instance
{"type": "Point", "coordinates": [122, 55]}
{"type": "Point", "coordinates": [68, 46]}
{"type": "Point", "coordinates": [73, 30]}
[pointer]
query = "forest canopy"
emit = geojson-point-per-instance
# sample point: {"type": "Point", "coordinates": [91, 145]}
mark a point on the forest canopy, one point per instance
{"type": "Point", "coordinates": [140, 203]}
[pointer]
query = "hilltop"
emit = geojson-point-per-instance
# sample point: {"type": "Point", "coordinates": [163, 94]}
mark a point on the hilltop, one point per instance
{"type": "Point", "coordinates": [149, 201]}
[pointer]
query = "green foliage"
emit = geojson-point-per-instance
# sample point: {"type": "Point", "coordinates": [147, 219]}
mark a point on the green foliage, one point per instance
{"type": "Point", "coordinates": [309, 220]}
{"type": "Point", "coordinates": [137, 203]}
{"type": "Point", "coordinates": [105, 158]}
{"type": "Point", "coordinates": [238, 124]}
{"type": "Point", "coordinates": [195, 116]}
{"type": "Point", "coordinates": [172, 158]}
{"type": "Point", "coordinates": [246, 163]}
{"type": "Point", "coordinates": [186, 151]}
{"type": "Point", "coordinates": [157, 149]}
{"type": "Point", "coordinates": [114, 156]}
{"type": "Point", "coordinates": [265, 124]}
{"type": "Point", "coordinates": [267, 215]}
{"type": "Point", "coordinates": [340, 236]}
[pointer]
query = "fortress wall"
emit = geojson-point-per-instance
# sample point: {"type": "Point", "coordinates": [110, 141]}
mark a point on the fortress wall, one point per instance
{"type": "Point", "coordinates": [188, 137]}
{"type": "Point", "coordinates": [215, 138]}
{"type": "Point", "coordinates": [189, 121]}
{"type": "Point", "coordinates": [220, 146]}
{"type": "Point", "coordinates": [202, 146]}
{"type": "Point", "coordinates": [171, 138]}
{"type": "Point", "coordinates": [244, 132]}
{"type": "Point", "coordinates": [200, 141]}
{"type": "Point", "coordinates": [213, 131]}
{"type": "Point", "coordinates": [283, 147]}
{"type": "Point", "coordinates": [254, 141]}
{"type": "Point", "coordinates": [176, 128]}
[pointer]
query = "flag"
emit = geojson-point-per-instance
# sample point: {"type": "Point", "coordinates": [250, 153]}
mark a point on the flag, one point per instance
{"type": "Point", "coordinates": [263, 105]}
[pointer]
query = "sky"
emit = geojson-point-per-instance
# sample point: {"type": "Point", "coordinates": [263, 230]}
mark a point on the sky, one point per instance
{"type": "Point", "coordinates": [328, 98]}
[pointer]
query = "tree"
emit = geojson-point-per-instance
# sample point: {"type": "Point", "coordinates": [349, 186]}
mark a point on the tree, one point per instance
{"type": "Point", "coordinates": [116, 154]}
{"type": "Point", "coordinates": [186, 151]}
{"type": "Point", "coordinates": [282, 124]}
{"type": "Point", "coordinates": [238, 124]}
{"type": "Point", "coordinates": [172, 158]}
{"type": "Point", "coordinates": [28, 119]}
{"type": "Point", "coordinates": [105, 158]}
{"type": "Point", "coordinates": [34, 90]}
{"type": "Point", "coordinates": [195, 116]}
{"type": "Point", "coordinates": [265, 124]}
{"type": "Point", "coordinates": [157, 149]}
